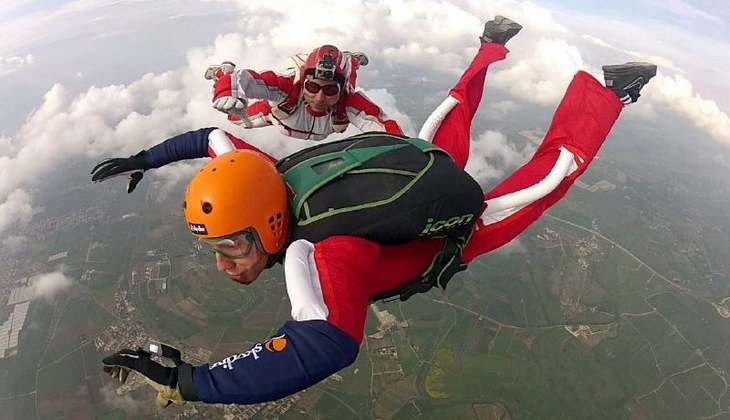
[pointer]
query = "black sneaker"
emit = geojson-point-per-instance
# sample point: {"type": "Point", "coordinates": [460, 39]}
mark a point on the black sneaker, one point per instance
{"type": "Point", "coordinates": [626, 80]}
{"type": "Point", "coordinates": [500, 30]}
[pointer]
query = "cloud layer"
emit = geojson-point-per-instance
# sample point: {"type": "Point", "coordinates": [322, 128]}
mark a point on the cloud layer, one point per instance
{"type": "Point", "coordinates": [409, 43]}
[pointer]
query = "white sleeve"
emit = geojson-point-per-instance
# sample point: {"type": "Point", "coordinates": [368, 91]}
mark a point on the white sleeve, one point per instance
{"type": "Point", "coordinates": [499, 208]}
{"type": "Point", "coordinates": [219, 142]}
{"type": "Point", "coordinates": [433, 122]}
{"type": "Point", "coordinates": [302, 282]}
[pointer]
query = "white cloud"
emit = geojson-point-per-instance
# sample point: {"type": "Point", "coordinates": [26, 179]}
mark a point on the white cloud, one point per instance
{"type": "Point", "coordinates": [123, 402]}
{"type": "Point", "coordinates": [599, 42]}
{"type": "Point", "coordinates": [435, 38]}
{"type": "Point", "coordinates": [15, 209]}
{"type": "Point", "coordinates": [676, 93]}
{"type": "Point", "coordinates": [47, 286]}
{"type": "Point", "coordinates": [501, 110]}
{"type": "Point", "coordinates": [110, 120]}
{"type": "Point", "coordinates": [10, 65]}
{"type": "Point", "coordinates": [172, 176]}
{"type": "Point", "coordinates": [686, 10]}
{"type": "Point", "coordinates": [14, 241]}
{"type": "Point", "coordinates": [388, 103]}
{"type": "Point", "coordinates": [543, 76]}
{"type": "Point", "coordinates": [492, 155]}
{"type": "Point", "coordinates": [6, 146]}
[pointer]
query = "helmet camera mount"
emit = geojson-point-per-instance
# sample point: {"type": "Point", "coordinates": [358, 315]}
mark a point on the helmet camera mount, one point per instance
{"type": "Point", "coordinates": [325, 68]}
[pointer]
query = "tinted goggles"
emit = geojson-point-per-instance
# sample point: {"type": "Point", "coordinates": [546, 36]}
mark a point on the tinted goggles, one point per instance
{"type": "Point", "coordinates": [314, 88]}
{"type": "Point", "coordinates": [236, 246]}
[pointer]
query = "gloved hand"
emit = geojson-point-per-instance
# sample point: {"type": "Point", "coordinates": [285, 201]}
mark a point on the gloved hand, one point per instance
{"type": "Point", "coordinates": [226, 97]}
{"type": "Point", "coordinates": [163, 379]}
{"type": "Point", "coordinates": [132, 167]}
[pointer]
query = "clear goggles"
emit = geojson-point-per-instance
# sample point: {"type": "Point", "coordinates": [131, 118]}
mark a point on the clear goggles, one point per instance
{"type": "Point", "coordinates": [236, 246]}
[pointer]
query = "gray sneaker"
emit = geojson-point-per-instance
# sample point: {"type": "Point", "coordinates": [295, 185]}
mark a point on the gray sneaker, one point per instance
{"type": "Point", "coordinates": [626, 80]}
{"type": "Point", "coordinates": [361, 58]}
{"type": "Point", "coordinates": [500, 30]}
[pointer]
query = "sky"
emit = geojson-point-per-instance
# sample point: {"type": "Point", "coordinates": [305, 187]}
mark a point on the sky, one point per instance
{"type": "Point", "coordinates": [98, 78]}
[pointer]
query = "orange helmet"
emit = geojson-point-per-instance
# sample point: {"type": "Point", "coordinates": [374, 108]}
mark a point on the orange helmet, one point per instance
{"type": "Point", "coordinates": [236, 191]}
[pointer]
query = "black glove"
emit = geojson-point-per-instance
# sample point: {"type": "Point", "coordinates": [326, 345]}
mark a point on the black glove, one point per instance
{"type": "Point", "coordinates": [132, 167]}
{"type": "Point", "coordinates": [162, 378]}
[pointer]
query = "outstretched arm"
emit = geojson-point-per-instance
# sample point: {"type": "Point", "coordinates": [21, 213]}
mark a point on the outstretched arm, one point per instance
{"type": "Point", "coordinates": [233, 89]}
{"type": "Point", "coordinates": [367, 116]}
{"type": "Point", "coordinates": [206, 142]}
{"type": "Point", "coordinates": [191, 145]}
{"type": "Point", "coordinates": [298, 356]}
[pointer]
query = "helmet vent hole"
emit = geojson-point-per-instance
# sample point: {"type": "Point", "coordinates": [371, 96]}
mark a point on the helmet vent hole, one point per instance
{"type": "Point", "coordinates": [207, 208]}
{"type": "Point", "coordinates": [276, 223]}
{"type": "Point", "coordinates": [185, 205]}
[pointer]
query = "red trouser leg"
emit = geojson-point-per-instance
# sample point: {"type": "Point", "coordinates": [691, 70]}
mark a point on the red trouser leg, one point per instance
{"type": "Point", "coordinates": [453, 134]}
{"type": "Point", "coordinates": [581, 123]}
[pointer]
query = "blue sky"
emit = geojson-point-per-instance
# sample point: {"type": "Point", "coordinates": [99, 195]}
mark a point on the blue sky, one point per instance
{"type": "Point", "coordinates": [708, 17]}
{"type": "Point", "coordinates": [94, 78]}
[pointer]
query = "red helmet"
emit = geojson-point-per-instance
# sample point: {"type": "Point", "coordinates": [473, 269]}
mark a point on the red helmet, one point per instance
{"type": "Point", "coordinates": [327, 63]}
